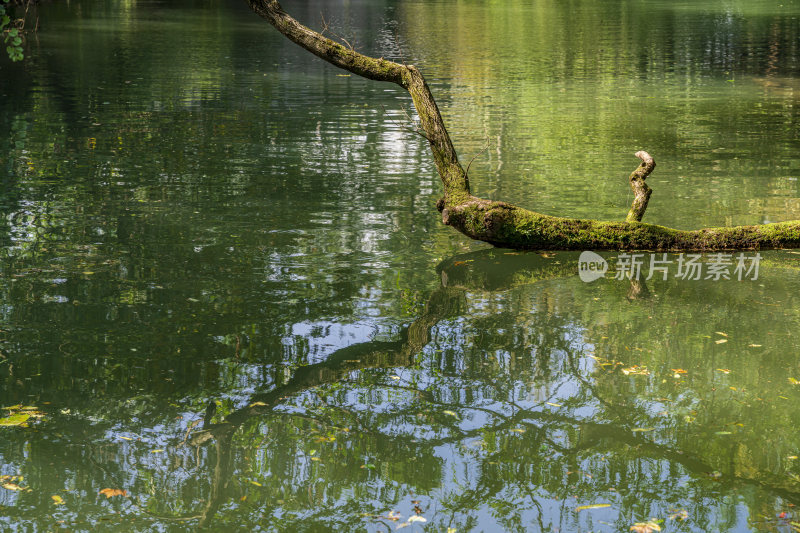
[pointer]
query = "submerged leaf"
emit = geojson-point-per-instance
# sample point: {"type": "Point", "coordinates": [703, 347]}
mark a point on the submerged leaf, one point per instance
{"type": "Point", "coordinates": [681, 514]}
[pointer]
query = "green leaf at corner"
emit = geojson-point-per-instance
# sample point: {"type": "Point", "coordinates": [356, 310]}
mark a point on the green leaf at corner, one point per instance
{"type": "Point", "coordinates": [15, 420]}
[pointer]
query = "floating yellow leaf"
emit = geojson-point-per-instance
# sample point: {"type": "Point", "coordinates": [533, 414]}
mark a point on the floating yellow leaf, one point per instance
{"type": "Point", "coordinates": [518, 430]}
{"type": "Point", "coordinates": [794, 381]}
{"type": "Point", "coordinates": [18, 419]}
{"type": "Point", "coordinates": [108, 493]}
{"type": "Point", "coordinates": [157, 451]}
{"type": "Point", "coordinates": [58, 500]}
{"type": "Point", "coordinates": [678, 370]}
{"type": "Point", "coordinates": [720, 341]}
{"type": "Point", "coordinates": [720, 333]}
{"type": "Point", "coordinates": [553, 404]}
{"type": "Point", "coordinates": [754, 346]}
{"type": "Point", "coordinates": [642, 430]}
{"type": "Point", "coordinates": [258, 404]}
{"type": "Point", "coordinates": [12, 486]}
{"type": "Point", "coordinates": [417, 518]}
{"type": "Point", "coordinates": [256, 483]}
{"type": "Point", "coordinates": [451, 413]}
{"type": "Point", "coordinates": [724, 370]}
{"type": "Point", "coordinates": [592, 506]}
{"type": "Point", "coordinates": [645, 527]}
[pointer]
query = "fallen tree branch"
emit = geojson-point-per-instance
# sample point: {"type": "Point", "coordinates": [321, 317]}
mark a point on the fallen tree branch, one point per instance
{"type": "Point", "coordinates": [506, 225]}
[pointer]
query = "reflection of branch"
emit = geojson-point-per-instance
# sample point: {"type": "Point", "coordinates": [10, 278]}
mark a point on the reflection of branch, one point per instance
{"type": "Point", "coordinates": [466, 272]}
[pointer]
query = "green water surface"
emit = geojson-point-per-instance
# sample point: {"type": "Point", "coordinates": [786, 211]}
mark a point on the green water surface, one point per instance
{"type": "Point", "coordinates": [194, 210]}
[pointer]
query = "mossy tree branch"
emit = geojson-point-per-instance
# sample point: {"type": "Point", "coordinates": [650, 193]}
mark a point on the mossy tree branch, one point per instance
{"type": "Point", "coordinates": [504, 224]}
{"type": "Point", "coordinates": [641, 192]}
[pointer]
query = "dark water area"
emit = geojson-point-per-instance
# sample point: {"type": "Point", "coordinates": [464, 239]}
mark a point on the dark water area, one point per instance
{"type": "Point", "coordinates": [194, 211]}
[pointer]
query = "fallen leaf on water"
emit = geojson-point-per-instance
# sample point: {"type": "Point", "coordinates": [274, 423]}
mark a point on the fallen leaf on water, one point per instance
{"type": "Point", "coordinates": [754, 346]}
{"type": "Point", "coordinates": [451, 413]}
{"type": "Point", "coordinates": [678, 370]}
{"type": "Point", "coordinates": [794, 381]}
{"type": "Point", "coordinates": [724, 370]}
{"type": "Point", "coordinates": [417, 518]}
{"type": "Point", "coordinates": [636, 370]}
{"type": "Point", "coordinates": [257, 404]}
{"type": "Point", "coordinates": [720, 333]}
{"type": "Point", "coordinates": [108, 493]}
{"type": "Point", "coordinates": [157, 451]}
{"type": "Point", "coordinates": [720, 341]}
{"type": "Point", "coordinates": [592, 506]}
{"type": "Point", "coordinates": [18, 419]}
{"type": "Point", "coordinates": [58, 500]}
{"type": "Point", "coordinates": [125, 438]}
{"type": "Point", "coordinates": [723, 433]}
{"type": "Point", "coordinates": [518, 430]}
{"type": "Point", "coordinates": [553, 404]}
{"type": "Point", "coordinates": [641, 430]}
{"type": "Point", "coordinates": [645, 527]}
{"type": "Point", "coordinates": [12, 486]}
{"type": "Point", "coordinates": [256, 483]}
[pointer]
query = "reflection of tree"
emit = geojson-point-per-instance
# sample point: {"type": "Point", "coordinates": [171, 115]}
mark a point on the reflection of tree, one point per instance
{"type": "Point", "coordinates": [622, 444]}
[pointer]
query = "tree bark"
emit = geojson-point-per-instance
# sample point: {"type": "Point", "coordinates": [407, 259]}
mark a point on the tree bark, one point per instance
{"type": "Point", "coordinates": [506, 225]}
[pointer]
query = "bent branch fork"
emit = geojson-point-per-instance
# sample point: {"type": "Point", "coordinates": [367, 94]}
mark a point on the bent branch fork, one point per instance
{"type": "Point", "coordinates": [506, 225]}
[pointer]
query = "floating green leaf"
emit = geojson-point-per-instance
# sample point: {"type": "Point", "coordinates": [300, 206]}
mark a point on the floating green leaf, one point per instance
{"type": "Point", "coordinates": [17, 419]}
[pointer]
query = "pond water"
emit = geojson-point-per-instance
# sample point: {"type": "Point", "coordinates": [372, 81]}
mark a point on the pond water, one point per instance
{"type": "Point", "coordinates": [195, 212]}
